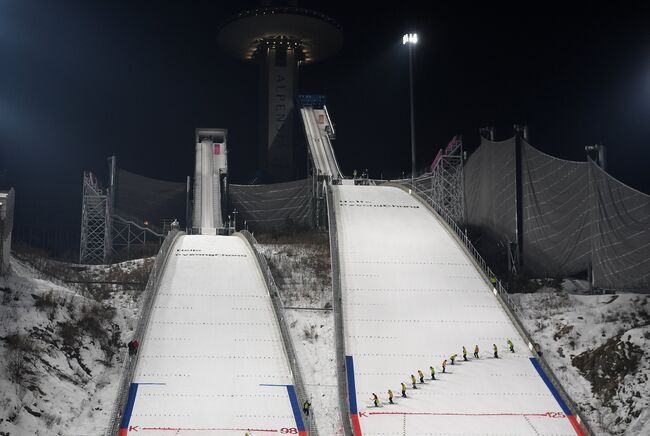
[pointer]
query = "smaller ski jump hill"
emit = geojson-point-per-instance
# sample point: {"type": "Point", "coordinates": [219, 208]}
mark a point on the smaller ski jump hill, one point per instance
{"type": "Point", "coordinates": [212, 360]}
{"type": "Point", "coordinates": [411, 297]}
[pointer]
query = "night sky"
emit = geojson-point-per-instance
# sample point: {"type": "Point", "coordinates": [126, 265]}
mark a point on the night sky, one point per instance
{"type": "Point", "coordinates": [82, 80]}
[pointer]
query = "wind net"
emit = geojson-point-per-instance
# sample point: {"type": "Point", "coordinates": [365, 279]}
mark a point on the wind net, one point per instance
{"type": "Point", "coordinates": [556, 214]}
{"type": "Point", "coordinates": [278, 206]}
{"type": "Point", "coordinates": [573, 214]}
{"type": "Point", "coordinates": [490, 190]}
{"type": "Point", "coordinates": [621, 233]}
{"type": "Point", "coordinates": [141, 198]}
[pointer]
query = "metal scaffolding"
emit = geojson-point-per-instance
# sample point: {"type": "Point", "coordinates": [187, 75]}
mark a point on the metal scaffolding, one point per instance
{"type": "Point", "coordinates": [447, 187]}
{"type": "Point", "coordinates": [103, 233]}
{"type": "Point", "coordinates": [95, 231]}
{"type": "Point", "coordinates": [126, 234]}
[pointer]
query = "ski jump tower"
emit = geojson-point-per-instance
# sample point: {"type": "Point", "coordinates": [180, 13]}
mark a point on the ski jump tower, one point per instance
{"type": "Point", "coordinates": [210, 171]}
{"type": "Point", "coordinates": [279, 39]}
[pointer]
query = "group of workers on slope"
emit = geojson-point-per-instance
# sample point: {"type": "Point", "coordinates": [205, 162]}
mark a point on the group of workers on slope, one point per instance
{"type": "Point", "coordinates": [452, 358]}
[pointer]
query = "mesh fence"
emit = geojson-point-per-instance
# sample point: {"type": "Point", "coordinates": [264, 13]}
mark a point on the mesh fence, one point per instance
{"type": "Point", "coordinates": [556, 218]}
{"type": "Point", "coordinates": [573, 214]}
{"type": "Point", "coordinates": [273, 207]}
{"type": "Point", "coordinates": [490, 189]}
{"type": "Point", "coordinates": [139, 198]}
{"type": "Point", "coordinates": [621, 233]}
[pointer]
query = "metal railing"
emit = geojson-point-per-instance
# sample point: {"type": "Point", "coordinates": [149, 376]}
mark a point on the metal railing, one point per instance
{"type": "Point", "coordinates": [341, 372]}
{"type": "Point", "coordinates": [130, 364]}
{"type": "Point", "coordinates": [280, 315]}
{"type": "Point", "coordinates": [511, 308]}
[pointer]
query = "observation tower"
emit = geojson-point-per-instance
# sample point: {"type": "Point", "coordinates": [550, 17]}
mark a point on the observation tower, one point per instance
{"type": "Point", "coordinates": [280, 39]}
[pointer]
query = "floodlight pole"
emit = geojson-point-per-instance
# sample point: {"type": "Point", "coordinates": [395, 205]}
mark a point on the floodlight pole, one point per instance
{"type": "Point", "coordinates": [411, 48]}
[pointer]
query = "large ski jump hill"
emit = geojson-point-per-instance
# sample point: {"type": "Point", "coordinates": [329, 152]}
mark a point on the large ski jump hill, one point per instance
{"type": "Point", "coordinates": [212, 360]}
{"type": "Point", "coordinates": [412, 297]}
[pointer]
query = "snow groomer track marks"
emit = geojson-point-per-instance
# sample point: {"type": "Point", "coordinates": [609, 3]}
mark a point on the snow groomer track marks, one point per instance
{"type": "Point", "coordinates": [212, 360]}
{"type": "Point", "coordinates": [412, 297]}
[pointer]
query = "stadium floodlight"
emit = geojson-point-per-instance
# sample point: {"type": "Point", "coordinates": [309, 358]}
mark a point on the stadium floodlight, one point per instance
{"type": "Point", "coordinates": [411, 39]}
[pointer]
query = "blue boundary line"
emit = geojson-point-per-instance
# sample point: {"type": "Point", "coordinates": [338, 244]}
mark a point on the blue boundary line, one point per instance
{"type": "Point", "coordinates": [352, 391]}
{"type": "Point", "coordinates": [550, 386]}
{"type": "Point", "coordinates": [296, 408]}
{"type": "Point", "coordinates": [133, 391]}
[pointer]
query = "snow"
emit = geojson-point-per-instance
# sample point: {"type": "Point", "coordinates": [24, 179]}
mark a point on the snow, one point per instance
{"type": "Point", "coordinates": [212, 358]}
{"type": "Point", "coordinates": [313, 337]}
{"type": "Point", "coordinates": [411, 298]}
{"type": "Point", "coordinates": [66, 393]}
{"type": "Point", "coordinates": [567, 324]}
{"type": "Point", "coordinates": [302, 271]}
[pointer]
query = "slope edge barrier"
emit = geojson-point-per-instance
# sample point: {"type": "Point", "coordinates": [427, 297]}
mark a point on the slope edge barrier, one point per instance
{"type": "Point", "coordinates": [511, 309]}
{"type": "Point", "coordinates": [129, 365]}
{"type": "Point", "coordinates": [341, 372]}
{"type": "Point", "coordinates": [278, 308]}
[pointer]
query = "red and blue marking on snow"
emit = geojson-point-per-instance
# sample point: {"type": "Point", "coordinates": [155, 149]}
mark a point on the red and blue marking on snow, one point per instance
{"type": "Point", "coordinates": [354, 412]}
{"type": "Point", "coordinates": [572, 419]}
{"type": "Point", "coordinates": [352, 395]}
{"type": "Point", "coordinates": [125, 426]}
{"type": "Point", "coordinates": [293, 398]}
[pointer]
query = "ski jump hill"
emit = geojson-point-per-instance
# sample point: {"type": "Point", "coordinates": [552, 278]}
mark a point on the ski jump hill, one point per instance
{"type": "Point", "coordinates": [408, 294]}
{"type": "Point", "coordinates": [212, 360]}
{"type": "Point", "coordinates": [410, 297]}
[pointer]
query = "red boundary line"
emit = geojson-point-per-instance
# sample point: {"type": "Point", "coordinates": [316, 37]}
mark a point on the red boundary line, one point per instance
{"type": "Point", "coordinates": [461, 414]}
{"type": "Point", "coordinates": [355, 424]}
{"type": "Point", "coordinates": [208, 429]}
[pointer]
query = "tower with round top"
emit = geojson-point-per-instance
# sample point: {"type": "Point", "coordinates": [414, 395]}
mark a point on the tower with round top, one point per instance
{"type": "Point", "coordinates": [279, 39]}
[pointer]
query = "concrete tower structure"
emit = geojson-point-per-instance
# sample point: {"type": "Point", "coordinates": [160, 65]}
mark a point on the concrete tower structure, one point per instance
{"type": "Point", "coordinates": [279, 39]}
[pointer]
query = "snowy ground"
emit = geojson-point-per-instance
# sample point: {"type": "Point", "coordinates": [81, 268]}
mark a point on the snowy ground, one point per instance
{"type": "Point", "coordinates": [596, 345]}
{"type": "Point", "coordinates": [302, 271]}
{"type": "Point", "coordinates": [61, 349]}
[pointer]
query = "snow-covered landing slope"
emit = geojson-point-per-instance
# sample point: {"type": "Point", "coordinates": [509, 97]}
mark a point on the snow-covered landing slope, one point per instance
{"type": "Point", "coordinates": [411, 297]}
{"type": "Point", "coordinates": [212, 360]}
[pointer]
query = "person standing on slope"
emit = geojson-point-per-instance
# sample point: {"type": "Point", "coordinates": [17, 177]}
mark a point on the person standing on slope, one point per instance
{"type": "Point", "coordinates": [511, 346]}
{"type": "Point", "coordinates": [444, 366]}
{"type": "Point", "coordinates": [375, 399]}
{"type": "Point", "coordinates": [413, 381]}
{"type": "Point", "coordinates": [305, 407]}
{"type": "Point", "coordinates": [433, 372]}
{"type": "Point", "coordinates": [464, 353]}
{"type": "Point", "coordinates": [390, 396]}
{"type": "Point", "coordinates": [496, 351]}
{"type": "Point", "coordinates": [421, 376]}
{"type": "Point", "coordinates": [453, 358]}
{"type": "Point", "coordinates": [403, 389]}
{"type": "Point", "coordinates": [476, 351]}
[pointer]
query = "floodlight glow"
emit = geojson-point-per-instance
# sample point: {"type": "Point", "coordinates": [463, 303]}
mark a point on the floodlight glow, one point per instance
{"type": "Point", "coordinates": [411, 38]}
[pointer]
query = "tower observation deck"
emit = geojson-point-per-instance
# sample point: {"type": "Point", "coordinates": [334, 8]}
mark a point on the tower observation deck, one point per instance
{"type": "Point", "coordinates": [279, 39]}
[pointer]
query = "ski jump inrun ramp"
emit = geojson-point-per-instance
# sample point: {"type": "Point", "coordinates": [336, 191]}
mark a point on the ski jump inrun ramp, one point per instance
{"type": "Point", "coordinates": [411, 297]}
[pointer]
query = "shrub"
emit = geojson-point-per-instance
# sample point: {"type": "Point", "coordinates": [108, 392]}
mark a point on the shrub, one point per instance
{"type": "Point", "coordinates": [69, 333]}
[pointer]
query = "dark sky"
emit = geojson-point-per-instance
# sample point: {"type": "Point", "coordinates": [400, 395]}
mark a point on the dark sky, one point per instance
{"type": "Point", "coordinates": [81, 80]}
